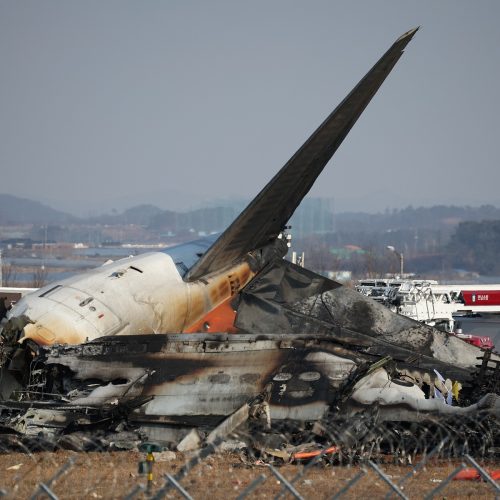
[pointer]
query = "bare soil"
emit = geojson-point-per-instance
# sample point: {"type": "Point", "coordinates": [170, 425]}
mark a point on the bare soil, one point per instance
{"type": "Point", "coordinates": [115, 474]}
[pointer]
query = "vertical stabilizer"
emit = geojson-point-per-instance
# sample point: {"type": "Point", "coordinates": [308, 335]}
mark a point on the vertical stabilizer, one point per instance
{"type": "Point", "coordinates": [266, 215]}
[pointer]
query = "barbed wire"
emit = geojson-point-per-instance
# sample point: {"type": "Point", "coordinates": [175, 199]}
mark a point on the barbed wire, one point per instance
{"type": "Point", "coordinates": [332, 458]}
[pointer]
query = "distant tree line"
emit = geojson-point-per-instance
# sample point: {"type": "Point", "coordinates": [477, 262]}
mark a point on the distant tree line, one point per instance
{"type": "Point", "coordinates": [476, 246]}
{"type": "Point", "coordinates": [431, 238]}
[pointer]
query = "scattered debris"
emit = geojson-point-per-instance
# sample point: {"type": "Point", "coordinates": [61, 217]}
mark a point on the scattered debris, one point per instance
{"type": "Point", "coordinates": [191, 442]}
{"type": "Point", "coordinates": [165, 456]}
{"type": "Point", "coordinates": [14, 467]}
{"type": "Point", "coordinates": [309, 364]}
{"type": "Point", "coordinates": [474, 475]}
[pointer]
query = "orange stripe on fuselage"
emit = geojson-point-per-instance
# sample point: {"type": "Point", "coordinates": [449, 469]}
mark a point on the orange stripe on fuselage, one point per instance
{"type": "Point", "coordinates": [209, 302]}
{"type": "Point", "coordinates": [220, 319]}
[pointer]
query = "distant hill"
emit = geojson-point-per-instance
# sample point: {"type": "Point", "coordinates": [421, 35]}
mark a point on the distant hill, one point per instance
{"type": "Point", "coordinates": [314, 216]}
{"type": "Point", "coordinates": [436, 217]}
{"type": "Point", "coordinates": [205, 219]}
{"type": "Point", "coordinates": [15, 210]}
{"type": "Point", "coordinates": [140, 215]}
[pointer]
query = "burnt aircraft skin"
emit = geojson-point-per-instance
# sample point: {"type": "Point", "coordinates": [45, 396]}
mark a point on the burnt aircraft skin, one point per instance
{"type": "Point", "coordinates": [156, 293]}
{"type": "Point", "coordinates": [304, 341]}
{"type": "Point", "coordinates": [288, 298]}
{"type": "Point", "coordinates": [174, 380]}
{"type": "Point", "coordinates": [200, 379]}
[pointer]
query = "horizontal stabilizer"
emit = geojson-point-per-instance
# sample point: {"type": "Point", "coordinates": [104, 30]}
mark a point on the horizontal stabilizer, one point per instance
{"type": "Point", "coordinates": [267, 214]}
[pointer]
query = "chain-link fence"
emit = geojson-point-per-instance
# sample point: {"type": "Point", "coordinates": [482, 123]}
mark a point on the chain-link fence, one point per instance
{"type": "Point", "coordinates": [334, 458]}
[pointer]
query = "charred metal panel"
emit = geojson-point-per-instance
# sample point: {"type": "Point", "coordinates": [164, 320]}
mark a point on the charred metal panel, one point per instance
{"type": "Point", "coordinates": [273, 302]}
{"type": "Point", "coordinates": [200, 380]}
{"type": "Point", "coordinates": [201, 375]}
{"type": "Point", "coordinates": [210, 375]}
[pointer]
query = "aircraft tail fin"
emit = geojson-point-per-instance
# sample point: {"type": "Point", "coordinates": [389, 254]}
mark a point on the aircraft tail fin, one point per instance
{"type": "Point", "coordinates": [266, 215]}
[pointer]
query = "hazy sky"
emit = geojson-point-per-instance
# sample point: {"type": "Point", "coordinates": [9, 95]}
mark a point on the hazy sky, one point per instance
{"type": "Point", "coordinates": [105, 104]}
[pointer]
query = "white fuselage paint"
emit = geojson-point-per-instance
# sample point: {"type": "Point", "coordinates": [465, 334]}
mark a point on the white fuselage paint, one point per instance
{"type": "Point", "coordinates": [135, 295]}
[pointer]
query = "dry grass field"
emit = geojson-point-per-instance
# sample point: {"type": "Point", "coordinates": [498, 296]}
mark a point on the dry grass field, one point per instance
{"type": "Point", "coordinates": [224, 475]}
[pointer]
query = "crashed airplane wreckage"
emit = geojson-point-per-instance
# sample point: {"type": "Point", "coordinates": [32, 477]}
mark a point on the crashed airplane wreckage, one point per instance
{"type": "Point", "coordinates": [132, 341]}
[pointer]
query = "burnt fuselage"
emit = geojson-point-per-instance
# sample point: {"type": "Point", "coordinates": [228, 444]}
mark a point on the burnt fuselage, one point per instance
{"type": "Point", "coordinates": [136, 295]}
